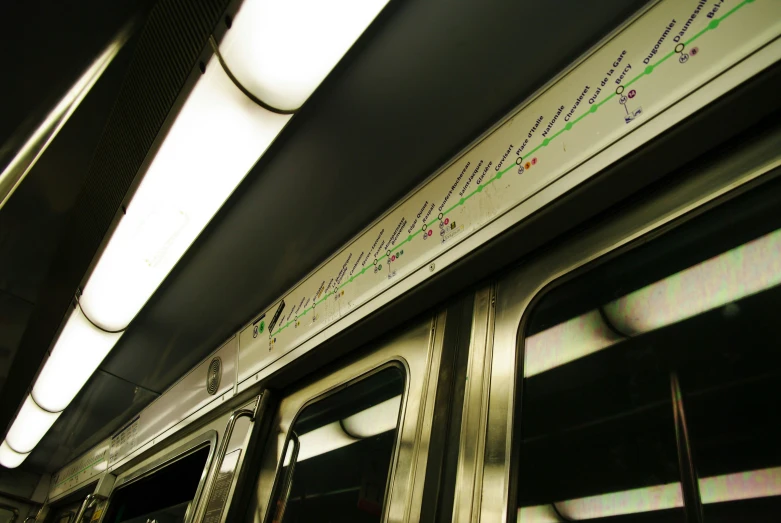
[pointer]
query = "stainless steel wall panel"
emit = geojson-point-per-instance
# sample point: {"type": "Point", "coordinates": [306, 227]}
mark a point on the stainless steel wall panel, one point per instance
{"type": "Point", "coordinates": [418, 349]}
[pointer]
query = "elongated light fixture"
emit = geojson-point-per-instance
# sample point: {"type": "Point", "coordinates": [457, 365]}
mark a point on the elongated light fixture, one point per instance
{"type": "Point", "coordinates": [280, 51]}
{"type": "Point", "coordinates": [373, 421]}
{"type": "Point", "coordinates": [218, 135]}
{"type": "Point", "coordinates": [740, 272]}
{"type": "Point", "coordinates": [9, 458]}
{"type": "Point", "coordinates": [738, 486]}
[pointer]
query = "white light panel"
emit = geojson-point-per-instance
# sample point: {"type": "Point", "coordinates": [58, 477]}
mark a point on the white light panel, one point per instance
{"type": "Point", "coordinates": [365, 424]}
{"type": "Point", "coordinates": [217, 137]}
{"type": "Point", "coordinates": [730, 276]}
{"type": "Point", "coordinates": [281, 51]}
{"type": "Point", "coordinates": [9, 458]}
{"type": "Point", "coordinates": [752, 484]}
{"type": "Point", "coordinates": [30, 425]}
{"type": "Point", "coordinates": [740, 272]}
{"type": "Point", "coordinates": [77, 353]}
{"type": "Point", "coordinates": [374, 420]}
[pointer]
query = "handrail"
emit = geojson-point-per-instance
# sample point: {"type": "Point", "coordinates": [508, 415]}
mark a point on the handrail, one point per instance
{"type": "Point", "coordinates": [84, 506]}
{"type": "Point", "coordinates": [287, 485]}
{"type": "Point", "coordinates": [243, 412]}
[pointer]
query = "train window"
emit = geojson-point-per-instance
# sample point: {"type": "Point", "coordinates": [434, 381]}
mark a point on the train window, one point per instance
{"type": "Point", "coordinates": [7, 515]}
{"type": "Point", "coordinates": [652, 382]}
{"type": "Point", "coordinates": [339, 454]}
{"type": "Point", "coordinates": [165, 496]}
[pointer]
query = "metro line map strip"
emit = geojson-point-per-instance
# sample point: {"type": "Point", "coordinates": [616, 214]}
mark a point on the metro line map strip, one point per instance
{"type": "Point", "coordinates": [649, 69]}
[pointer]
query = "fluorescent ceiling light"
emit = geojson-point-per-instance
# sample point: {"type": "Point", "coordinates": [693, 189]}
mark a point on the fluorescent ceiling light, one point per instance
{"type": "Point", "coordinates": [78, 352]}
{"type": "Point", "coordinates": [323, 440]}
{"type": "Point", "coordinates": [752, 484]}
{"type": "Point", "coordinates": [374, 420]}
{"type": "Point", "coordinates": [9, 458]}
{"type": "Point", "coordinates": [730, 276]}
{"type": "Point", "coordinates": [365, 424]}
{"type": "Point", "coordinates": [281, 51]}
{"type": "Point", "coordinates": [217, 137]}
{"type": "Point", "coordinates": [568, 341]}
{"type": "Point", "coordinates": [30, 425]}
{"type": "Point", "coordinates": [745, 270]}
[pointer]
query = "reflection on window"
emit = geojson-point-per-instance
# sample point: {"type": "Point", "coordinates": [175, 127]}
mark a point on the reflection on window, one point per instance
{"type": "Point", "coordinates": [165, 496]}
{"type": "Point", "coordinates": [7, 516]}
{"type": "Point", "coordinates": [662, 361]}
{"type": "Point", "coordinates": [338, 458]}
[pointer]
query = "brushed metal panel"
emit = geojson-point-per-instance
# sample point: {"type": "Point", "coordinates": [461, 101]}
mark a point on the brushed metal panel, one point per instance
{"type": "Point", "coordinates": [185, 401]}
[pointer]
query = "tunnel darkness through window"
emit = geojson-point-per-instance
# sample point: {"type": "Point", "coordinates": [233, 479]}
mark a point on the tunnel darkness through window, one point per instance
{"type": "Point", "coordinates": [341, 448]}
{"type": "Point", "coordinates": [652, 382]}
{"type": "Point", "coordinates": [164, 496]}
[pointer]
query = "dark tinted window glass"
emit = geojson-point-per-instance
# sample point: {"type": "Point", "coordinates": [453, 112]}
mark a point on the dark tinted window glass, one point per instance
{"type": "Point", "coordinates": [679, 336]}
{"type": "Point", "coordinates": [341, 450]}
{"type": "Point", "coordinates": [163, 497]}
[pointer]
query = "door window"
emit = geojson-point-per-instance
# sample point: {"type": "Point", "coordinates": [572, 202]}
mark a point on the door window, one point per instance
{"type": "Point", "coordinates": [339, 453]}
{"type": "Point", "coordinates": [166, 496]}
{"type": "Point", "coordinates": [652, 382]}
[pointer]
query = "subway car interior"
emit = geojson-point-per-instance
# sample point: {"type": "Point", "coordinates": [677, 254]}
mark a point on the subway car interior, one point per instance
{"type": "Point", "coordinates": [359, 261]}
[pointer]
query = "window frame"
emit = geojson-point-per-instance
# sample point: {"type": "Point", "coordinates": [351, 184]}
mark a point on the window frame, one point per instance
{"type": "Point", "coordinates": [396, 363]}
{"type": "Point", "coordinates": [517, 293]}
{"type": "Point", "coordinates": [203, 440]}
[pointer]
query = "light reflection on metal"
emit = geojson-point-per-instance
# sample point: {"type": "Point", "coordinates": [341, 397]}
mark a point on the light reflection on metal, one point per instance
{"type": "Point", "coordinates": [25, 159]}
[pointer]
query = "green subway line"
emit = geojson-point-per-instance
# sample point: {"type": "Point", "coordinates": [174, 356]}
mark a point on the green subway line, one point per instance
{"type": "Point", "coordinates": [80, 471]}
{"type": "Point", "coordinates": [712, 25]}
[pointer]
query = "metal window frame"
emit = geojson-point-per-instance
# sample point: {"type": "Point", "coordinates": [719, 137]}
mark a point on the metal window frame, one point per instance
{"type": "Point", "coordinates": [747, 167]}
{"type": "Point", "coordinates": [285, 482]}
{"type": "Point", "coordinates": [205, 439]}
{"type": "Point", "coordinates": [418, 349]}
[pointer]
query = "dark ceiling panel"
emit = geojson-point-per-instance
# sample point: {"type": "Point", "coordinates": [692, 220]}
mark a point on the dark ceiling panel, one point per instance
{"type": "Point", "coordinates": [14, 313]}
{"type": "Point", "coordinates": [32, 220]}
{"type": "Point", "coordinates": [98, 411]}
{"type": "Point", "coordinates": [51, 43]}
{"type": "Point", "coordinates": [433, 75]}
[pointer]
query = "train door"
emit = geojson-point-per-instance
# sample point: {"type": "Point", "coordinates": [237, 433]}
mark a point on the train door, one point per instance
{"type": "Point", "coordinates": [353, 445]}
{"type": "Point", "coordinates": [76, 508]}
{"type": "Point", "coordinates": [635, 368]}
{"type": "Point", "coordinates": [192, 478]}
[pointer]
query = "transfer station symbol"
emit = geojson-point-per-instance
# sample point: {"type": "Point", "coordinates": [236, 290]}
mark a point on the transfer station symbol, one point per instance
{"type": "Point", "coordinates": [632, 93]}
{"type": "Point", "coordinates": [447, 220]}
{"type": "Point", "coordinates": [430, 232]}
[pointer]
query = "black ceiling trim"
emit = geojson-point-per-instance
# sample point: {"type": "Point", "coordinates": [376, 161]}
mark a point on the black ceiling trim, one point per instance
{"type": "Point", "coordinates": [167, 51]}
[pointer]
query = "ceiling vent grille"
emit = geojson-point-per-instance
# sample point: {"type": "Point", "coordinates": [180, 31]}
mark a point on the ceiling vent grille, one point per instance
{"type": "Point", "coordinates": [213, 375]}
